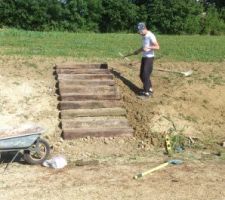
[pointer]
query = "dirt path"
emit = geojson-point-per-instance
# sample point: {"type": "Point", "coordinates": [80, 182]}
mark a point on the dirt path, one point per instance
{"type": "Point", "coordinates": [193, 106]}
{"type": "Point", "coordinates": [112, 179]}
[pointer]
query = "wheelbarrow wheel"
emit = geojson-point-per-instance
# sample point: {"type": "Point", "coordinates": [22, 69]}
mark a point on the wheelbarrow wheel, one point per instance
{"type": "Point", "coordinates": [33, 156]}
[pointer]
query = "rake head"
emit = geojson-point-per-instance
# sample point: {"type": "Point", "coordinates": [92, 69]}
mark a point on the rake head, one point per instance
{"type": "Point", "coordinates": [187, 73]}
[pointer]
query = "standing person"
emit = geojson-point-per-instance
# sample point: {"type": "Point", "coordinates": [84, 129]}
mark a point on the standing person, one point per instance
{"type": "Point", "coordinates": [148, 46]}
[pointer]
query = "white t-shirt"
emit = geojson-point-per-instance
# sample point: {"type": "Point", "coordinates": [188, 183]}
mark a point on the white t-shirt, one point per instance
{"type": "Point", "coordinates": [148, 40]}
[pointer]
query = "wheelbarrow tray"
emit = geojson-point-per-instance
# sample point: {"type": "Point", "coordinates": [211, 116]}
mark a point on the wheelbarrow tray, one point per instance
{"type": "Point", "coordinates": [19, 138]}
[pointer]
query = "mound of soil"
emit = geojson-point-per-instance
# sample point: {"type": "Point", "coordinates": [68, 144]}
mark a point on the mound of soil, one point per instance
{"type": "Point", "coordinates": [192, 106]}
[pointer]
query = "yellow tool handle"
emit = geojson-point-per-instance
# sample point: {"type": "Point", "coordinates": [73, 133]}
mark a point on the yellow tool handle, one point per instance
{"type": "Point", "coordinates": [151, 170]}
{"type": "Point", "coordinates": [168, 145]}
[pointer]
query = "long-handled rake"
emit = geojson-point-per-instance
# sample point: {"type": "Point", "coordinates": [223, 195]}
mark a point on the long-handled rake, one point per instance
{"type": "Point", "coordinates": [185, 73]}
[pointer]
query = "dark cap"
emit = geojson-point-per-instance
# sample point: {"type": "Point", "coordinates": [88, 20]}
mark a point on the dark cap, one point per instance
{"type": "Point", "coordinates": [141, 26]}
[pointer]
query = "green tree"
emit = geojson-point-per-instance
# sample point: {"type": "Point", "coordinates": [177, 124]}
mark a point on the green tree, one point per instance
{"type": "Point", "coordinates": [222, 14]}
{"type": "Point", "coordinates": [74, 13]}
{"type": "Point", "coordinates": [217, 3]}
{"type": "Point", "coordinates": [93, 17]}
{"type": "Point", "coordinates": [174, 16]}
{"type": "Point", "coordinates": [212, 23]}
{"type": "Point", "coordinates": [7, 8]}
{"type": "Point", "coordinates": [164, 16]}
{"type": "Point", "coordinates": [119, 15]}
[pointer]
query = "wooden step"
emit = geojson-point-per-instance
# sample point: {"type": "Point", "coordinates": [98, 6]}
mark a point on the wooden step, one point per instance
{"type": "Point", "coordinates": [86, 82]}
{"type": "Point", "coordinates": [90, 104]}
{"type": "Point", "coordinates": [96, 132]}
{"type": "Point", "coordinates": [95, 122]}
{"type": "Point", "coordinates": [84, 89]}
{"type": "Point", "coordinates": [71, 114]}
{"type": "Point", "coordinates": [66, 105]}
{"type": "Point", "coordinates": [81, 66]}
{"type": "Point", "coordinates": [90, 93]}
{"type": "Point", "coordinates": [79, 97]}
{"type": "Point", "coordinates": [82, 71]}
{"type": "Point", "coordinates": [84, 76]}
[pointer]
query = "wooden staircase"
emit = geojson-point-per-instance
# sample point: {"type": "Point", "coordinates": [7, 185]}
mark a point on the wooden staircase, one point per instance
{"type": "Point", "coordinates": [89, 102]}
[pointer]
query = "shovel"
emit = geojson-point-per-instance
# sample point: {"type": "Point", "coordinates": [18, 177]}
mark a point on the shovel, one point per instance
{"type": "Point", "coordinates": [174, 162]}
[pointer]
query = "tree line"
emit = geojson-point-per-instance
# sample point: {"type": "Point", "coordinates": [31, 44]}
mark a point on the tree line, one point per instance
{"type": "Point", "coordinates": [162, 16]}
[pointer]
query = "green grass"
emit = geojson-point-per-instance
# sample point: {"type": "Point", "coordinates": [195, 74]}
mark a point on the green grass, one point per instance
{"type": "Point", "coordinates": [106, 46]}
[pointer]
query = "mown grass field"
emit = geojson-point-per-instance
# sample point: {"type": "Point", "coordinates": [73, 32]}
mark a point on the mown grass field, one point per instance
{"type": "Point", "coordinates": [105, 47]}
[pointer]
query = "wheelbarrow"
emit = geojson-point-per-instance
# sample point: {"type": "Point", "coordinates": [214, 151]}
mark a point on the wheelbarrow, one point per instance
{"type": "Point", "coordinates": [26, 140]}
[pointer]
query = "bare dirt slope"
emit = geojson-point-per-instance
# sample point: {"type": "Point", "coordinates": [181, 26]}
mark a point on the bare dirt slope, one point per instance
{"type": "Point", "coordinates": [192, 106]}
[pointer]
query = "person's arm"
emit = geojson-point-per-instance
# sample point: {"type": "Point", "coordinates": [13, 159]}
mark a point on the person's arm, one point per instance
{"type": "Point", "coordinates": [154, 46]}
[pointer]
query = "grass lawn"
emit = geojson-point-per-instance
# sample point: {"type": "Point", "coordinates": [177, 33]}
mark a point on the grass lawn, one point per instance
{"type": "Point", "coordinates": [106, 46]}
